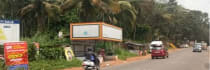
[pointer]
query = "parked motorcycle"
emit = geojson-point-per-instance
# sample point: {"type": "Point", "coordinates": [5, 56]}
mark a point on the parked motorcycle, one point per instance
{"type": "Point", "coordinates": [90, 65]}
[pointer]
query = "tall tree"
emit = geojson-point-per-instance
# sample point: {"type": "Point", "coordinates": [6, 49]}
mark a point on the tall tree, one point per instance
{"type": "Point", "coordinates": [92, 10]}
{"type": "Point", "coordinates": [41, 11]}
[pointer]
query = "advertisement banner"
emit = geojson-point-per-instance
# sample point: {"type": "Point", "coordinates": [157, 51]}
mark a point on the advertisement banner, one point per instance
{"type": "Point", "coordinates": [16, 53]}
{"type": "Point", "coordinates": [69, 53]}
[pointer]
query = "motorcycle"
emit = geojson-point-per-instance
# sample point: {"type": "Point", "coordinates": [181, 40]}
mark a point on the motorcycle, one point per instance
{"type": "Point", "coordinates": [89, 65]}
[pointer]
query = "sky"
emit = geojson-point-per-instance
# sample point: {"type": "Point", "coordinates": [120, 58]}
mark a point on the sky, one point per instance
{"type": "Point", "coordinates": [202, 5]}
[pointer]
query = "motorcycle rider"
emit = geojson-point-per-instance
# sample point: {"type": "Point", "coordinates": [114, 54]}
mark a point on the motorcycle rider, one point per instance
{"type": "Point", "coordinates": [90, 55]}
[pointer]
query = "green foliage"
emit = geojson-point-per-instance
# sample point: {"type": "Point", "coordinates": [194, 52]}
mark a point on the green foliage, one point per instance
{"type": "Point", "coordinates": [53, 64]}
{"type": "Point", "coordinates": [123, 54]}
{"type": "Point", "coordinates": [47, 39]}
{"type": "Point", "coordinates": [166, 21]}
{"type": "Point", "coordinates": [71, 16]}
{"type": "Point", "coordinates": [1, 65]}
{"type": "Point", "coordinates": [50, 47]}
{"type": "Point", "coordinates": [142, 32]}
{"type": "Point", "coordinates": [1, 49]}
{"type": "Point", "coordinates": [107, 46]}
{"type": "Point", "coordinates": [111, 49]}
{"type": "Point", "coordinates": [52, 53]}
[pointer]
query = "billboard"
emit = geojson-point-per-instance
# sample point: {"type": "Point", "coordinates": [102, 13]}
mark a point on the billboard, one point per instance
{"type": "Point", "coordinates": [112, 32]}
{"type": "Point", "coordinates": [95, 31]}
{"type": "Point", "coordinates": [90, 30]}
{"type": "Point", "coordinates": [9, 31]}
{"type": "Point", "coordinates": [15, 53]}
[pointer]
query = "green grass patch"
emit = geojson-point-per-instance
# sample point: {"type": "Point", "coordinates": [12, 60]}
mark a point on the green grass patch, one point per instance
{"type": "Point", "coordinates": [53, 64]}
{"type": "Point", "coordinates": [124, 54]}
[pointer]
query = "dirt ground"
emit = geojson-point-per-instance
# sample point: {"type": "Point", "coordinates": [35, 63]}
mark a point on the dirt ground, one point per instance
{"type": "Point", "coordinates": [118, 62]}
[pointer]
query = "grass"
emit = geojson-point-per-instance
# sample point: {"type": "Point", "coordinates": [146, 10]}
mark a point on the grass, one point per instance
{"type": "Point", "coordinates": [124, 54]}
{"type": "Point", "coordinates": [2, 66]}
{"type": "Point", "coordinates": [50, 64]}
{"type": "Point", "coordinates": [53, 64]}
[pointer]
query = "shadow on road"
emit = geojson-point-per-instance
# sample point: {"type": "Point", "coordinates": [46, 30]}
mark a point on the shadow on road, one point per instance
{"type": "Point", "coordinates": [206, 65]}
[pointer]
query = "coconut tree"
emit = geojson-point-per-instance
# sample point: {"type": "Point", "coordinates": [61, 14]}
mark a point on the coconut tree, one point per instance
{"type": "Point", "coordinates": [40, 11]}
{"type": "Point", "coordinates": [92, 10]}
{"type": "Point", "coordinates": [127, 18]}
{"type": "Point", "coordinates": [9, 8]}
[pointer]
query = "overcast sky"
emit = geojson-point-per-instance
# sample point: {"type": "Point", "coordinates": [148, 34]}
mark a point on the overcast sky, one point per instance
{"type": "Point", "coordinates": [202, 5]}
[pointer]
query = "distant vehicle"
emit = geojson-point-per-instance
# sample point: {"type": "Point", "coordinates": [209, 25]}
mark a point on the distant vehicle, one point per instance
{"type": "Point", "coordinates": [197, 47]}
{"type": "Point", "coordinates": [204, 46]}
{"type": "Point", "coordinates": [184, 46]}
{"type": "Point", "coordinates": [159, 50]}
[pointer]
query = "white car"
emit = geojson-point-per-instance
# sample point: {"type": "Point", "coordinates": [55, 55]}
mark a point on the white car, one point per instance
{"type": "Point", "coordinates": [184, 46]}
{"type": "Point", "coordinates": [154, 43]}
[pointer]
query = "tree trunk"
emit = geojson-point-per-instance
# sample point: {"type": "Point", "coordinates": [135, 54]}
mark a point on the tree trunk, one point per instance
{"type": "Point", "coordinates": [40, 24]}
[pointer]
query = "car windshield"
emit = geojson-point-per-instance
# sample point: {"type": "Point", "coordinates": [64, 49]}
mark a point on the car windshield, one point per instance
{"type": "Point", "coordinates": [197, 46]}
{"type": "Point", "coordinates": [156, 47]}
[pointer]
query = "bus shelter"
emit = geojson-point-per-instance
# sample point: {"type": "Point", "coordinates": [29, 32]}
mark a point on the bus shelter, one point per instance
{"type": "Point", "coordinates": [86, 35]}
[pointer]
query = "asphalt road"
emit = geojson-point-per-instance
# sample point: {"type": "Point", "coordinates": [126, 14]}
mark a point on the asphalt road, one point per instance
{"type": "Point", "coordinates": [183, 59]}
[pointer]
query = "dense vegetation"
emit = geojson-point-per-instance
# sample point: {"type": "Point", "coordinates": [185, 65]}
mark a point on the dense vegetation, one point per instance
{"type": "Point", "coordinates": [141, 20]}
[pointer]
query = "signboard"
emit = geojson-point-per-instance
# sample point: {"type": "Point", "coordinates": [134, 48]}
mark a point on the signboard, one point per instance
{"type": "Point", "coordinates": [9, 31]}
{"type": "Point", "coordinates": [69, 53]}
{"type": "Point", "coordinates": [112, 32]}
{"type": "Point", "coordinates": [19, 67]}
{"type": "Point", "coordinates": [95, 31]}
{"type": "Point", "coordinates": [16, 53]}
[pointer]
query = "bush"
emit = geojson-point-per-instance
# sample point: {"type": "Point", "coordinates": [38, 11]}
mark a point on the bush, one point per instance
{"type": "Point", "coordinates": [107, 46]}
{"type": "Point", "coordinates": [45, 52]}
{"type": "Point", "coordinates": [123, 54]}
{"type": "Point", "coordinates": [50, 47]}
{"type": "Point", "coordinates": [52, 53]}
{"type": "Point", "coordinates": [53, 64]}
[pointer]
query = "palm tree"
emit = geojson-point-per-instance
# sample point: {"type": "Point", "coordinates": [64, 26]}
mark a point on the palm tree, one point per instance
{"type": "Point", "coordinates": [92, 10]}
{"type": "Point", "coordinates": [41, 10]}
{"type": "Point", "coordinates": [127, 18]}
{"type": "Point", "coordinates": [9, 8]}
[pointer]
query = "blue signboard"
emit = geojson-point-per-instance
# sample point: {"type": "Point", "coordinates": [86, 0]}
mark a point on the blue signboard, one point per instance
{"type": "Point", "coordinates": [9, 22]}
{"type": "Point", "coordinates": [19, 67]}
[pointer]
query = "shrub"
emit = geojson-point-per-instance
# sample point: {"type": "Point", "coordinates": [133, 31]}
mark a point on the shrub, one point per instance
{"type": "Point", "coordinates": [123, 54]}
{"type": "Point", "coordinates": [52, 53]}
{"type": "Point", "coordinates": [45, 52]}
{"type": "Point", "coordinates": [50, 47]}
{"type": "Point", "coordinates": [108, 46]}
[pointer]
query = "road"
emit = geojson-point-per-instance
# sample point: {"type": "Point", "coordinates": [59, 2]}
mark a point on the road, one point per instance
{"type": "Point", "coordinates": [183, 59]}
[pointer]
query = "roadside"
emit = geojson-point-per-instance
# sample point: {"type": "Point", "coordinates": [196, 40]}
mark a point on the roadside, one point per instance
{"type": "Point", "coordinates": [118, 62]}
